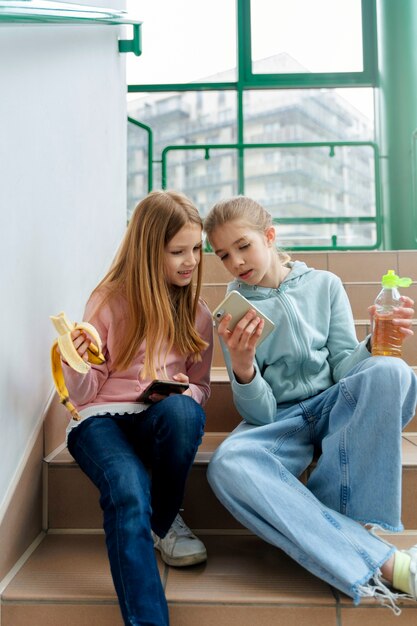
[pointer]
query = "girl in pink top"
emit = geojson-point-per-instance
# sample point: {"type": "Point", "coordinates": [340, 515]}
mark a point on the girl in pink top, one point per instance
{"type": "Point", "coordinates": [153, 325]}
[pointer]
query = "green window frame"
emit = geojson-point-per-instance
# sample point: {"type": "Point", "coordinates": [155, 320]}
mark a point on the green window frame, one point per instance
{"type": "Point", "coordinates": [246, 80]}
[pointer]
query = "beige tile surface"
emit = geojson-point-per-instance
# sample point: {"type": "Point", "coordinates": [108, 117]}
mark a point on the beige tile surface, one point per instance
{"type": "Point", "coordinates": [65, 568]}
{"type": "Point", "coordinates": [222, 416]}
{"type": "Point", "coordinates": [407, 263]}
{"type": "Point", "coordinates": [245, 567]}
{"type": "Point", "coordinates": [362, 266]}
{"type": "Point", "coordinates": [362, 295]}
{"type": "Point", "coordinates": [22, 522]}
{"type": "Point", "coordinates": [409, 498]}
{"type": "Point", "coordinates": [258, 615]}
{"type": "Point", "coordinates": [201, 509]}
{"type": "Point", "coordinates": [412, 438]}
{"type": "Point", "coordinates": [213, 294]}
{"type": "Point", "coordinates": [61, 615]}
{"type": "Point", "coordinates": [55, 424]}
{"type": "Point", "coordinates": [73, 500]}
{"type": "Point", "coordinates": [214, 270]}
{"type": "Point", "coordinates": [317, 260]}
{"type": "Point", "coordinates": [409, 450]}
{"type": "Point", "coordinates": [372, 616]}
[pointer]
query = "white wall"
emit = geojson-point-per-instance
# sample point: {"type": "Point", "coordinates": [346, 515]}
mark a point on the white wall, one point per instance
{"type": "Point", "coordinates": [62, 201]}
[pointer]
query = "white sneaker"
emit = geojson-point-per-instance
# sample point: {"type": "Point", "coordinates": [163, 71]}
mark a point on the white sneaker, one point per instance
{"type": "Point", "coordinates": [180, 547]}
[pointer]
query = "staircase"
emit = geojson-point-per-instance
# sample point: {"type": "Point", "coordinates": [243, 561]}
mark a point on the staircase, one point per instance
{"type": "Point", "coordinates": [64, 580]}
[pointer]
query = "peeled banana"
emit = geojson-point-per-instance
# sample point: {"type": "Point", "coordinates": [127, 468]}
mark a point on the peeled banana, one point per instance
{"type": "Point", "coordinates": [69, 353]}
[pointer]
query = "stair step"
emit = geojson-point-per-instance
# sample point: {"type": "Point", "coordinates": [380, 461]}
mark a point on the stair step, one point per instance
{"type": "Point", "coordinates": [245, 581]}
{"type": "Point", "coordinates": [73, 499]}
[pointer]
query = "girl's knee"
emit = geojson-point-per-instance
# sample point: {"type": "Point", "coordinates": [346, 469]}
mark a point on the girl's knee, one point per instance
{"type": "Point", "coordinates": [225, 463]}
{"type": "Point", "coordinates": [390, 370]}
{"type": "Point", "coordinates": [180, 426]}
{"type": "Point", "coordinates": [184, 410]}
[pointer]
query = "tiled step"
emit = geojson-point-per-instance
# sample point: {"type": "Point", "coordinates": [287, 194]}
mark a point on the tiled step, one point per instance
{"type": "Point", "coordinates": [73, 499]}
{"type": "Point", "coordinates": [245, 582]}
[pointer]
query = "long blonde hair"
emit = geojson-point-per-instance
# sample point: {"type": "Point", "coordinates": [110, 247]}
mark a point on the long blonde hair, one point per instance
{"type": "Point", "coordinates": [242, 209]}
{"type": "Point", "coordinates": [160, 313]}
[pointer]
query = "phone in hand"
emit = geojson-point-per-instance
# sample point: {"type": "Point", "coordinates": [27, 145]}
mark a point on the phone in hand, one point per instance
{"type": "Point", "coordinates": [237, 306]}
{"type": "Point", "coordinates": [163, 388]}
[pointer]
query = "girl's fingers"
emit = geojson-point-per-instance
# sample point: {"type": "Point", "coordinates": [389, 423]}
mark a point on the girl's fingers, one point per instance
{"type": "Point", "coordinates": [81, 343]}
{"type": "Point", "coordinates": [181, 378]}
{"type": "Point", "coordinates": [407, 301]}
{"type": "Point", "coordinates": [245, 338]}
{"type": "Point", "coordinates": [406, 331]}
{"type": "Point", "coordinates": [404, 312]}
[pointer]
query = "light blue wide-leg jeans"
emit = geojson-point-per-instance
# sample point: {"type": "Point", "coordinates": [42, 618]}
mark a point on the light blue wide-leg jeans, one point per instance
{"type": "Point", "coordinates": [357, 425]}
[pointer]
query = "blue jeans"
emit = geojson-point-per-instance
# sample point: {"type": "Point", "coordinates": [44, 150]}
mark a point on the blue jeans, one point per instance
{"type": "Point", "coordinates": [356, 424]}
{"type": "Point", "coordinates": [140, 464]}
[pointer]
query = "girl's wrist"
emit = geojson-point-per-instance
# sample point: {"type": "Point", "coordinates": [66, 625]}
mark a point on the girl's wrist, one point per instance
{"type": "Point", "coordinates": [245, 377]}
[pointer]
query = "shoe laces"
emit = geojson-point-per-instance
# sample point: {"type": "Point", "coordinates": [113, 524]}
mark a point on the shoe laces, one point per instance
{"type": "Point", "coordinates": [180, 528]}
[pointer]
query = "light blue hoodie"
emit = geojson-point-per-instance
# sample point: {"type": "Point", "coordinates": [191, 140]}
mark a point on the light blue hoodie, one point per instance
{"type": "Point", "coordinates": [313, 344]}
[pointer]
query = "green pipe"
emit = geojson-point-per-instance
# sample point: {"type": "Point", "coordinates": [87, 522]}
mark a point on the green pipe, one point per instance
{"type": "Point", "coordinates": [397, 108]}
{"type": "Point", "coordinates": [148, 129]}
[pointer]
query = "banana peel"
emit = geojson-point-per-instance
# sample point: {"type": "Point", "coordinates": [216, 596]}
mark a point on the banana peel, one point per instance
{"type": "Point", "coordinates": [63, 345]}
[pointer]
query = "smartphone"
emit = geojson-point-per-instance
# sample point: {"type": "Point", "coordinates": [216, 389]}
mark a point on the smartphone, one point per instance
{"type": "Point", "coordinates": [237, 305]}
{"type": "Point", "coordinates": [163, 388]}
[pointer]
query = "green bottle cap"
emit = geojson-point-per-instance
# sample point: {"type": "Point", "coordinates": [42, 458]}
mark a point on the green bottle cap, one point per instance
{"type": "Point", "coordinates": [390, 279]}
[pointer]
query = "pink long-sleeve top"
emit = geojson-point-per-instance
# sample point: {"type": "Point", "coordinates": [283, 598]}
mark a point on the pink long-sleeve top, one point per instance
{"type": "Point", "coordinates": [105, 390]}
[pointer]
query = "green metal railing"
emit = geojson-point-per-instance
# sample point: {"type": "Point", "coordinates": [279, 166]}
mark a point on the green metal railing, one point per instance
{"type": "Point", "coordinates": [149, 131]}
{"type": "Point", "coordinates": [332, 145]}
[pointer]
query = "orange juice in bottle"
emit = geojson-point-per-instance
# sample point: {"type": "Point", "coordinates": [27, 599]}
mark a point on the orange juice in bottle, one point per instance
{"type": "Point", "coordinates": [386, 337]}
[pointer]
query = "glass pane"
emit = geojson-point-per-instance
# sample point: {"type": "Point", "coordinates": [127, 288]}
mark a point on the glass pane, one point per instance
{"type": "Point", "coordinates": [313, 183]}
{"type": "Point", "coordinates": [289, 115]}
{"type": "Point", "coordinates": [321, 235]}
{"type": "Point", "coordinates": [184, 41]}
{"type": "Point", "coordinates": [306, 36]}
{"type": "Point", "coordinates": [186, 118]}
{"type": "Point", "coordinates": [205, 181]}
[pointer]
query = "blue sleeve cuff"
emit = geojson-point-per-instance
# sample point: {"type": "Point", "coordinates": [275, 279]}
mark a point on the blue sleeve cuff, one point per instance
{"type": "Point", "coordinates": [252, 390]}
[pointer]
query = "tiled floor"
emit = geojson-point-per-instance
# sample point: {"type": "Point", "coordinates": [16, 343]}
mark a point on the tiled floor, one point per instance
{"type": "Point", "coordinates": [245, 582]}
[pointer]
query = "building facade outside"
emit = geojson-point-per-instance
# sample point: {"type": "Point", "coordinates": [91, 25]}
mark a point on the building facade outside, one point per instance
{"type": "Point", "coordinates": [304, 182]}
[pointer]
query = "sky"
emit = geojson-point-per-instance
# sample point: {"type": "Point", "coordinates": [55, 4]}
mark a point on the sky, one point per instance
{"type": "Point", "coordinates": [187, 40]}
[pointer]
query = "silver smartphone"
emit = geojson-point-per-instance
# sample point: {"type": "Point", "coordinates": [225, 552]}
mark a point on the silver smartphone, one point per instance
{"type": "Point", "coordinates": [237, 305]}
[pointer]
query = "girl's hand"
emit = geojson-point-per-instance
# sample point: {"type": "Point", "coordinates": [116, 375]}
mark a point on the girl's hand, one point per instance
{"type": "Point", "coordinates": [81, 343]}
{"type": "Point", "coordinates": [241, 342]}
{"type": "Point", "coordinates": [403, 316]}
{"type": "Point", "coordinates": [183, 378]}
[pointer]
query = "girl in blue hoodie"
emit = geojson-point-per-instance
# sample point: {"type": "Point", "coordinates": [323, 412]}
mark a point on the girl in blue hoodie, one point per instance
{"type": "Point", "coordinates": [311, 386]}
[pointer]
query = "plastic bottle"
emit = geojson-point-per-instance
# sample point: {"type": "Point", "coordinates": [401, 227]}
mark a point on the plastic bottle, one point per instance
{"type": "Point", "coordinates": [386, 337]}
